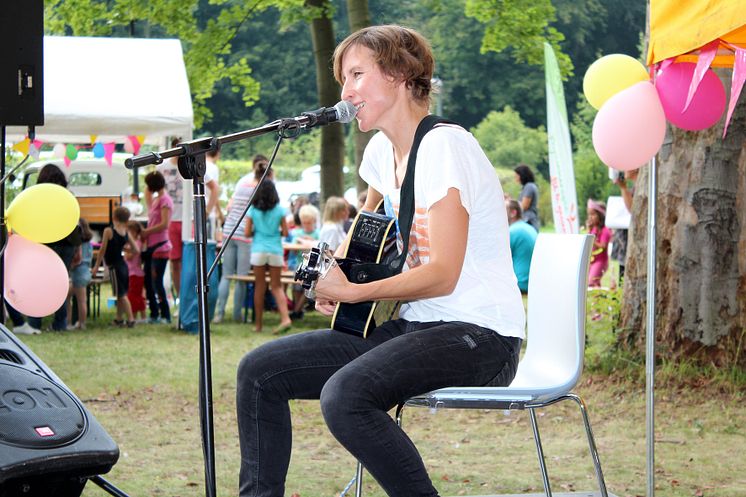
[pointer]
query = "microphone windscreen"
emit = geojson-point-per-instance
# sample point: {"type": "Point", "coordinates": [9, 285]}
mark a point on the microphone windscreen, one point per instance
{"type": "Point", "coordinates": [345, 111]}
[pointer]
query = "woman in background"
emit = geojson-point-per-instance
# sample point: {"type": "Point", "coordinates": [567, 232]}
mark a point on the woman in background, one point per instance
{"type": "Point", "coordinates": [529, 196]}
{"type": "Point", "coordinates": [155, 257]}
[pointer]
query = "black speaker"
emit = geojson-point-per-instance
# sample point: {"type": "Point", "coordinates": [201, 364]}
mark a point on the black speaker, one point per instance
{"type": "Point", "coordinates": [21, 66]}
{"type": "Point", "coordinates": [49, 443]}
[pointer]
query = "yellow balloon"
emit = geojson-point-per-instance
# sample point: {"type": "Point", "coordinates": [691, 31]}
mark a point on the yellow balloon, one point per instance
{"type": "Point", "coordinates": [44, 213]}
{"type": "Point", "coordinates": [609, 75]}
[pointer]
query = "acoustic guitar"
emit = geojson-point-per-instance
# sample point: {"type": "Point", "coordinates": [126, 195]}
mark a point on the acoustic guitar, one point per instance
{"type": "Point", "coordinates": [372, 243]}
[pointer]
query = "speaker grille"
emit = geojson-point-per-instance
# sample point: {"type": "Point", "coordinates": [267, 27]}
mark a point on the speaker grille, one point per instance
{"type": "Point", "coordinates": [10, 356]}
{"type": "Point", "coordinates": [35, 412]}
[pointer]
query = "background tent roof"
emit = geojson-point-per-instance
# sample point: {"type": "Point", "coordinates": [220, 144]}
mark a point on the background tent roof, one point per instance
{"type": "Point", "coordinates": [113, 88]}
{"type": "Point", "coordinates": [678, 28]}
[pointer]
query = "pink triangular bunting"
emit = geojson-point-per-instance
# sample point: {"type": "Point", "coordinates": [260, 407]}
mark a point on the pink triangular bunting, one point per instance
{"type": "Point", "coordinates": [109, 152]}
{"type": "Point", "coordinates": [739, 76]}
{"type": "Point", "coordinates": [706, 56]}
{"type": "Point", "coordinates": [135, 143]}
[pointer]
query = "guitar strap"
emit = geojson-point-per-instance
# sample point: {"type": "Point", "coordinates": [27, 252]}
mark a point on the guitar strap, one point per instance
{"type": "Point", "coordinates": [360, 272]}
{"type": "Point", "coordinates": [406, 201]}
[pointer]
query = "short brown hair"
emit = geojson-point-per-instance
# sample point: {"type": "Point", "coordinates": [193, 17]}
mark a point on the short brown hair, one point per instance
{"type": "Point", "coordinates": [401, 53]}
{"type": "Point", "coordinates": [121, 214]}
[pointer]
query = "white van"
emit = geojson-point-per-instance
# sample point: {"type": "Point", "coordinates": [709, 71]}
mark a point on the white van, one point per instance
{"type": "Point", "coordinates": [97, 186]}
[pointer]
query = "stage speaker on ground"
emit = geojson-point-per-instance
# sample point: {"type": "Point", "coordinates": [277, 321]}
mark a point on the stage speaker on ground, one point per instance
{"type": "Point", "coordinates": [49, 443]}
{"type": "Point", "coordinates": [21, 67]}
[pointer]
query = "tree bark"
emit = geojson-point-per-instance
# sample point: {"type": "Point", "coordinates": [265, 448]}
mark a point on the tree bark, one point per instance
{"type": "Point", "coordinates": [332, 137]}
{"type": "Point", "coordinates": [358, 17]}
{"type": "Point", "coordinates": [701, 247]}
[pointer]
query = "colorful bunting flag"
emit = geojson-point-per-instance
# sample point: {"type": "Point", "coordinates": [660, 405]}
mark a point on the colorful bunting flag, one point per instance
{"type": "Point", "coordinates": [22, 146]}
{"type": "Point", "coordinates": [109, 152]}
{"type": "Point", "coordinates": [739, 75]}
{"type": "Point", "coordinates": [706, 56]}
{"type": "Point", "coordinates": [136, 143]}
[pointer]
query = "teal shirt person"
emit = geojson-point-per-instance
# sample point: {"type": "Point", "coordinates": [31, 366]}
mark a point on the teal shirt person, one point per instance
{"type": "Point", "coordinates": [522, 241]}
{"type": "Point", "coordinates": [267, 236]}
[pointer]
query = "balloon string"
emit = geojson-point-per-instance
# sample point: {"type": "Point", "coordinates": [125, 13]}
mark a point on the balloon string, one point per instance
{"type": "Point", "coordinates": [5, 178]}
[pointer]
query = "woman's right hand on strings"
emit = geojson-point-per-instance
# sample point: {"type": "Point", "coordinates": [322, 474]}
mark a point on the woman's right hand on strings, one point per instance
{"type": "Point", "coordinates": [325, 307]}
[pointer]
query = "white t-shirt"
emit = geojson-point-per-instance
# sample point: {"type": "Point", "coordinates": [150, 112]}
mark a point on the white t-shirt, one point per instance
{"type": "Point", "coordinates": [174, 186]}
{"type": "Point", "coordinates": [211, 173]}
{"type": "Point", "coordinates": [333, 234]}
{"type": "Point", "coordinates": [487, 291]}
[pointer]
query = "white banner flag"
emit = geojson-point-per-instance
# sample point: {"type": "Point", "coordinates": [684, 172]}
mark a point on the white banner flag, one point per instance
{"type": "Point", "coordinates": [561, 175]}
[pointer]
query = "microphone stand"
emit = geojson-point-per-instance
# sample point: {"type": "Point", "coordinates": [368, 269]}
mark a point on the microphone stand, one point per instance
{"type": "Point", "coordinates": [191, 163]}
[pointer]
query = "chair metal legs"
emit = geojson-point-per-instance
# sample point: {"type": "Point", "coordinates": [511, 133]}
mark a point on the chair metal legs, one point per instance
{"type": "Point", "coordinates": [540, 453]}
{"type": "Point", "coordinates": [359, 480]}
{"type": "Point", "coordinates": [588, 432]}
{"type": "Point", "coordinates": [591, 443]}
{"type": "Point", "coordinates": [537, 439]}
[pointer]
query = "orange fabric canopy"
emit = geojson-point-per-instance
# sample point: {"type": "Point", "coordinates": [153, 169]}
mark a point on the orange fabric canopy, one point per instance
{"type": "Point", "coordinates": [678, 28]}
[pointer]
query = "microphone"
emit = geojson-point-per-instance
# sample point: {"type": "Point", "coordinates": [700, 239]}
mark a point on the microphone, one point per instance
{"type": "Point", "coordinates": [343, 112]}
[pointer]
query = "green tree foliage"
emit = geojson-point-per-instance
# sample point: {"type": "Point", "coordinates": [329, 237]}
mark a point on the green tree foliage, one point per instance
{"type": "Point", "coordinates": [507, 141]}
{"type": "Point", "coordinates": [524, 26]}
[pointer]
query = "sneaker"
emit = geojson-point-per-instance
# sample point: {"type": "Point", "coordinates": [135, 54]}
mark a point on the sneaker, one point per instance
{"type": "Point", "coordinates": [217, 319]}
{"type": "Point", "coordinates": [26, 329]}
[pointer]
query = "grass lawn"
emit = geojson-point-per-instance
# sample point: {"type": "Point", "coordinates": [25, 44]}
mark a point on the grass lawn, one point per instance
{"type": "Point", "coordinates": [141, 384]}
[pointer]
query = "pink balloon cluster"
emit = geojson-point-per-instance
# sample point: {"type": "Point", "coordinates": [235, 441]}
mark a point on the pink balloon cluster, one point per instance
{"type": "Point", "coordinates": [630, 125]}
{"type": "Point", "coordinates": [707, 103]}
{"type": "Point", "coordinates": [36, 280]}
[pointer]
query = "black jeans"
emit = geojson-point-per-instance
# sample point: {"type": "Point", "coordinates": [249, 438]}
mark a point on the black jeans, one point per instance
{"type": "Point", "coordinates": [155, 269]}
{"type": "Point", "coordinates": [358, 380]}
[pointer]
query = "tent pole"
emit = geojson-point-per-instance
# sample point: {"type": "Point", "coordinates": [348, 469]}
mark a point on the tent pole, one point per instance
{"type": "Point", "coordinates": [650, 334]}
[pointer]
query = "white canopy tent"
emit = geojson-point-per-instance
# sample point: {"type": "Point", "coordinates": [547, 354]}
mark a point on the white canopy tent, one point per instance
{"type": "Point", "coordinates": [113, 88]}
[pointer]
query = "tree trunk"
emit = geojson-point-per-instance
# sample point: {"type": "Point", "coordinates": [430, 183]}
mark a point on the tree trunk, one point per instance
{"type": "Point", "coordinates": [701, 246]}
{"type": "Point", "coordinates": [358, 18]}
{"type": "Point", "coordinates": [332, 137]}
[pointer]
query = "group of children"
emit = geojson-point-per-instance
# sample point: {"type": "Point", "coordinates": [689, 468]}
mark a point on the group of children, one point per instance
{"type": "Point", "coordinates": [121, 249]}
{"type": "Point", "coordinates": [267, 225]}
{"type": "Point", "coordinates": [135, 258]}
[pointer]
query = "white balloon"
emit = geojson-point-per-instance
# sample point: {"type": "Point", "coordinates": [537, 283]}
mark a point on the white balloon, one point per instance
{"type": "Point", "coordinates": [59, 150]}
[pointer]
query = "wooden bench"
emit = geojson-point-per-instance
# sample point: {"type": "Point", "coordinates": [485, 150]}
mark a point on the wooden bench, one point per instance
{"type": "Point", "coordinates": [286, 277]}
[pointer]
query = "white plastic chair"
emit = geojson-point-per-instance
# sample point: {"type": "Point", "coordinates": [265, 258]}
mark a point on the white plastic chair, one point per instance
{"type": "Point", "coordinates": [553, 360]}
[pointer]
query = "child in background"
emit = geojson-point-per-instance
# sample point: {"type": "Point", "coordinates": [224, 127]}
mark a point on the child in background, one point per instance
{"type": "Point", "coordinates": [80, 276]}
{"type": "Point", "coordinates": [307, 235]}
{"type": "Point", "coordinates": [335, 214]}
{"type": "Point", "coordinates": [113, 242]}
{"type": "Point", "coordinates": [266, 222]}
{"type": "Point", "coordinates": [595, 224]}
{"type": "Point", "coordinates": [135, 293]}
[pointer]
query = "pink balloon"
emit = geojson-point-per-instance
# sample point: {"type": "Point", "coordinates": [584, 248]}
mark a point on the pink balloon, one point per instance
{"type": "Point", "coordinates": [630, 127]}
{"type": "Point", "coordinates": [707, 105]}
{"type": "Point", "coordinates": [36, 280]}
